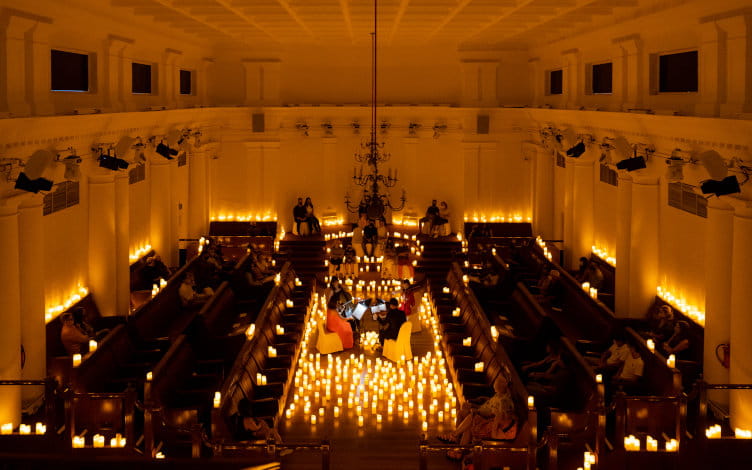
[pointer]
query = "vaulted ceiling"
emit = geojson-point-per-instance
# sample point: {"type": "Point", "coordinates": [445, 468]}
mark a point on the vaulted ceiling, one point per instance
{"type": "Point", "coordinates": [457, 23]}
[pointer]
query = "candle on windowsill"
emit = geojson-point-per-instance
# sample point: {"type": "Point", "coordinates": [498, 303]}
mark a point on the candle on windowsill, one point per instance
{"type": "Point", "coordinates": [217, 399]}
{"type": "Point", "coordinates": [651, 444]}
{"type": "Point", "coordinates": [672, 445]}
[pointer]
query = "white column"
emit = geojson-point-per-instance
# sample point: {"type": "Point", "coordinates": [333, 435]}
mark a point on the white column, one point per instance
{"type": "Point", "coordinates": [122, 243]}
{"type": "Point", "coordinates": [159, 216]}
{"type": "Point", "coordinates": [169, 77]}
{"type": "Point", "coordinates": [537, 80]}
{"type": "Point", "coordinates": [197, 213]}
{"type": "Point", "coordinates": [582, 208]}
{"type": "Point", "coordinates": [10, 314]}
{"type": "Point", "coordinates": [39, 77]}
{"type": "Point", "coordinates": [643, 251]}
{"type": "Point", "coordinates": [330, 199]}
{"type": "Point", "coordinates": [569, 220]}
{"type": "Point", "coordinates": [719, 240]}
{"type": "Point", "coordinates": [741, 320]}
{"type": "Point", "coordinates": [632, 71]}
{"type": "Point", "coordinates": [176, 195]}
{"type": "Point", "coordinates": [572, 78]}
{"type": "Point", "coordinates": [543, 193]}
{"type": "Point", "coordinates": [202, 81]}
{"type": "Point", "coordinates": [709, 68]}
{"type": "Point", "coordinates": [737, 71]}
{"type": "Point", "coordinates": [31, 272]}
{"type": "Point", "coordinates": [560, 196]}
{"type": "Point", "coordinates": [471, 157]}
{"type": "Point", "coordinates": [14, 82]}
{"type": "Point", "coordinates": [409, 176]}
{"type": "Point", "coordinates": [103, 242]}
{"type": "Point", "coordinates": [115, 72]}
{"type": "Point", "coordinates": [273, 174]}
{"type": "Point", "coordinates": [479, 84]}
{"type": "Point", "coordinates": [261, 82]}
{"type": "Point", "coordinates": [623, 243]}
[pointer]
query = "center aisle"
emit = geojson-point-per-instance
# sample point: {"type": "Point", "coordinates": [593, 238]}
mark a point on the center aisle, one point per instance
{"type": "Point", "coordinates": [372, 410]}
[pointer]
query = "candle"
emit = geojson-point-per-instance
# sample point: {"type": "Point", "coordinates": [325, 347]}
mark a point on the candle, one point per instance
{"type": "Point", "coordinates": [41, 428]}
{"type": "Point", "coordinates": [738, 433]}
{"type": "Point", "coordinates": [360, 421]}
{"type": "Point", "coordinates": [456, 312]}
{"type": "Point", "coordinates": [494, 333]}
{"type": "Point", "coordinates": [76, 360]}
{"type": "Point", "coordinates": [313, 419]}
{"type": "Point", "coordinates": [424, 426]}
{"type": "Point", "coordinates": [378, 418]}
{"type": "Point", "coordinates": [599, 378]}
{"type": "Point", "coordinates": [24, 429]}
{"type": "Point", "coordinates": [250, 331]}
{"type": "Point", "coordinates": [671, 361]}
{"type": "Point", "coordinates": [289, 303]}
{"type": "Point", "coordinates": [531, 401]}
{"type": "Point", "coordinates": [272, 351]}
{"type": "Point", "coordinates": [149, 376]}
{"type": "Point", "coordinates": [651, 345]}
{"type": "Point", "coordinates": [651, 444]}
{"type": "Point", "coordinates": [217, 399]}
{"type": "Point", "coordinates": [586, 286]}
{"type": "Point", "coordinates": [479, 367]}
{"type": "Point", "coordinates": [672, 445]}
{"type": "Point", "coordinates": [445, 290]}
{"type": "Point", "coordinates": [92, 345]}
{"type": "Point", "coordinates": [98, 440]}
{"type": "Point", "coordinates": [78, 442]}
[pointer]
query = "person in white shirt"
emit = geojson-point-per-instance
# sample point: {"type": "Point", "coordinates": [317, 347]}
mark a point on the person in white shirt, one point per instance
{"type": "Point", "coordinates": [633, 367]}
{"type": "Point", "coordinates": [613, 358]}
{"type": "Point", "coordinates": [188, 295]}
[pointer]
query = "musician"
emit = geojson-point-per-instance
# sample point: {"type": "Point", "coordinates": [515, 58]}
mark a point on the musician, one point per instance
{"type": "Point", "coordinates": [407, 298]}
{"type": "Point", "coordinates": [338, 294]}
{"type": "Point", "coordinates": [337, 324]}
{"type": "Point", "coordinates": [390, 321]}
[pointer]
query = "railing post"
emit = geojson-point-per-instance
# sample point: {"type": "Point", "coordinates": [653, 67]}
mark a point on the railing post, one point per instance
{"type": "Point", "coordinates": [326, 454]}
{"type": "Point", "coordinates": [423, 454]}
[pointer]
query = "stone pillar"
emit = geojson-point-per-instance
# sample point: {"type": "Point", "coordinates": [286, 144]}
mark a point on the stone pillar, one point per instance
{"type": "Point", "coordinates": [274, 173]}
{"type": "Point", "coordinates": [471, 157]}
{"type": "Point", "coordinates": [202, 81]}
{"type": "Point", "coordinates": [709, 68]}
{"type": "Point", "coordinates": [176, 197]}
{"type": "Point", "coordinates": [741, 320]}
{"type": "Point", "coordinates": [582, 208]}
{"type": "Point", "coordinates": [573, 86]}
{"type": "Point", "coordinates": [560, 194]}
{"type": "Point", "coordinates": [479, 83]}
{"type": "Point", "coordinates": [738, 71]}
{"type": "Point", "coordinates": [543, 193]}
{"type": "Point", "coordinates": [116, 68]}
{"type": "Point", "coordinates": [197, 213]}
{"type": "Point", "coordinates": [632, 71]}
{"type": "Point", "coordinates": [122, 243]}
{"type": "Point", "coordinates": [623, 244]}
{"type": "Point", "coordinates": [14, 83]}
{"type": "Point", "coordinates": [39, 77]}
{"type": "Point", "coordinates": [643, 250]}
{"type": "Point", "coordinates": [103, 243]}
{"type": "Point", "coordinates": [31, 272]}
{"type": "Point", "coordinates": [569, 220]}
{"type": "Point", "coordinates": [159, 215]}
{"type": "Point", "coordinates": [331, 199]}
{"type": "Point", "coordinates": [169, 78]}
{"type": "Point", "coordinates": [261, 82]}
{"type": "Point", "coordinates": [537, 81]}
{"type": "Point", "coordinates": [719, 240]}
{"type": "Point", "coordinates": [10, 314]}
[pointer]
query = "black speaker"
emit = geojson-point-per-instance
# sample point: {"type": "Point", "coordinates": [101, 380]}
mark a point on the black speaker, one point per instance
{"type": "Point", "coordinates": [257, 122]}
{"type": "Point", "coordinates": [483, 123]}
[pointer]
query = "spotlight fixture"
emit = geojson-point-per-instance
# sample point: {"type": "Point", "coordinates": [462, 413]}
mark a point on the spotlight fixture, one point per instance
{"type": "Point", "coordinates": [385, 125]}
{"type": "Point", "coordinates": [632, 164]}
{"type": "Point", "coordinates": [438, 129]}
{"type": "Point", "coordinates": [31, 178]}
{"type": "Point", "coordinates": [166, 151]}
{"type": "Point", "coordinates": [714, 164]}
{"type": "Point", "coordinates": [356, 127]}
{"type": "Point", "coordinates": [109, 161]}
{"type": "Point", "coordinates": [577, 150]}
{"type": "Point", "coordinates": [72, 167]}
{"type": "Point", "coordinates": [328, 128]}
{"type": "Point", "coordinates": [24, 183]}
{"type": "Point", "coordinates": [675, 171]}
{"type": "Point", "coordinates": [728, 185]}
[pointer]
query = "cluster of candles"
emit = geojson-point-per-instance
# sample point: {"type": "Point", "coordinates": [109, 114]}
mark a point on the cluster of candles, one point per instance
{"type": "Point", "coordinates": [140, 251]}
{"type": "Point", "coordinates": [679, 303]}
{"type": "Point", "coordinates": [244, 218]}
{"type": "Point", "coordinates": [98, 441]}
{"type": "Point", "coordinates": [370, 390]}
{"type": "Point", "coordinates": [633, 444]}
{"type": "Point", "coordinates": [332, 221]}
{"type": "Point", "coordinates": [337, 235]}
{"type": "Point", "coordinates": [158, 287]}
{"type": "Point", "coordinates": [54, 311]}
{"type": "Point", "coordinates": [603, 254]}
{"type": "Point", "coordinates": [544, 247]}
{"type": "Point", "coordinates": [483, 218]}
{"type": "Point", "coordinates": [382, 288]}
{"type": "Point", "coordinates": [592, 291]}
{"type": "Point", "coordinates": [588, 461]}
{"type": "Point", "coordinates": [23, 429]}
{"type": "Point", "coordinates": [406, 221]}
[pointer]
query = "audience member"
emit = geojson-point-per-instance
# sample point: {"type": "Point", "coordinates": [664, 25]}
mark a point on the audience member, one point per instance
{"type": "Point", "coordinates": [73, 338]}
{"type": "Point", "coordinates": [370, 237]}
{"type": "Point", "coordinates": [548, 378]}
{"type": "Point", "coordinates": [581, 272]}
{"type": "Point", "coordinates": [390, 321]}
{"type": "Point", "coordinates": [313, 222]}
{"type": "Point", "coordinates": [350, 263]}
{"type": "Point", "coordinates": [441, 219]}
{"type": "Point", "coordinates": [614, 357]}
{"type": "Point", "coordinates": [188, 295]}
{"type": "Point", "coordinates": [248, 428]}
{"type": "Point", "coordinates": [554, 289]}
{"type": "Point", "coordinates": [661, 324]}
{"type": "Point", "coordinates": [678, 344]}
{"type": "Point", "coordinates": [630, 375]}
{"type": "Point", "coordinates": [431, 214]}
{"type": "Point", "coordinates": [300, 214]}
{"type": "Point", "coordinates": [594, 276]}
{"type": "Point", "coordinates": [154, 270]}
{"type": "Point", "coordinates": [335, 323]}
{"type": "Point", "coordinates": [407, 297]}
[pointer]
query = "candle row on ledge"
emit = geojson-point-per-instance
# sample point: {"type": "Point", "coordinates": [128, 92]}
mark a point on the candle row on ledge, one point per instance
{"type": "Point", "coordinates": [633, 444]}
{"type": "Point", "coordinates": [332, 221]}
{"type": "Point", "coordinates": [337, 235]}
{"type": "Point", "coordinates": [591, 291]}
{"type": "Point", "coordinates": [588, 461]}
{"type": "Point", "coordinates": [98, 441]}
{"type": "Point", "coordinates": [23, 429]}
{"type": "Point", "coordinates": [139, 252]}
{"type": "Point", "coordinates": [243, 218]}
{"type": "Point", "coordinates": [714, 432]}
{"type": "Point", "coordinates": [679, 303]}
{"type": "Point", "coordinates": [158, 287]}
{"type": "Point", "coordinates": [54, 311]}
{"type": "Point", "coordinates": [544, 247]}
{"type": "Point", "coordinates": [483, 218]}
{"type": "Point", "coordinates": [603, 254]}
{"type": "Point", "coordinates": [406, 221]}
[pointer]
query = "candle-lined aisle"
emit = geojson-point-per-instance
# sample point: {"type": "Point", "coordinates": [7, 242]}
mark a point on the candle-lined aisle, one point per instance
{"type": "Point", "coordinates": [372, 409]}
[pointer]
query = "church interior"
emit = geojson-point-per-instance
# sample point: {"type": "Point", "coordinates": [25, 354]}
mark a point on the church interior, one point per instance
{"type": "Point", "coordinates": [328, 234]}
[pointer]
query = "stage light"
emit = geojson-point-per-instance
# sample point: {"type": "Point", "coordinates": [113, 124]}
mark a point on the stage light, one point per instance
{"type": "Point", "coordinates": [166, 151]}
{"type": "Point", "coordinates": [72, 167]}
{"type": "Point", "coordinates": [577, 150]}
{"type": "Point", "coordinates": [112, 163]}
{"type": "Point", "coordinates": [675, 171]}
{"type": "Point", "coordinates": [728, 185]}
{"type": "Point", "coordinates": [632, 164]}
{"type": "Point", "coordinates": [24, 183]}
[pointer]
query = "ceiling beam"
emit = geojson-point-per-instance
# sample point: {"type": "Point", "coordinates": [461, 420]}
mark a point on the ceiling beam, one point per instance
{"type": "Point", "coordinates": [286, 5]}
{"type": "Point", "coordinates": [237, 11]}
{"type": "Point", "coordinates": [185, 12]}
{"type": "Point", "coordinates": [522, 4]}
{"type": "Point", "coordinates": [577, 6]}
{"type": "Point", "coordinates": [397, 20]}
{"type": "Point", "coordinates": [345, 6]}
{"type": "Point", "coordinates": [455, 11]}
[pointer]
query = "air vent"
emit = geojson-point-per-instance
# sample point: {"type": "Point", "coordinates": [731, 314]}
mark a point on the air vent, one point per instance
{"type": "Point", "coordinates": [65, 195]}
{"type": "Point", "coordinates": [137, 173]}
{"type": "Point", "coordinates": [609, 175]}
{"type": "Point", "coordinates": [681, 196]}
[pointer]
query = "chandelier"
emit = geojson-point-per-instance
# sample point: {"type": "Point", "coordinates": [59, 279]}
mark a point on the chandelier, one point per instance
{"type": "Point", "coordinates": [371, 154]}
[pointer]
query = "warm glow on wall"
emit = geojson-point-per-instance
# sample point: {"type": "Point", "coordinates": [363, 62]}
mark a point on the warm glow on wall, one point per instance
{"type": "Point", "coordinates": [603, 254]}
{"type": "Point", "coordinates": [139, 252]}
{"type": "Point", "coordinates": [496, 217]}
{"type": "Point", "coordinates": [682, 305]}
{"type": "Point", "coordinates": [244, 217]}
{"type": "Point", "coordinates": [53, 311]}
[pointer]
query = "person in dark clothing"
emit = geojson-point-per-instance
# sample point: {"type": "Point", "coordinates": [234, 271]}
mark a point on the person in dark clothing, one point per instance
{"type": "Point", "coordinates": [432, 213]}
{"type": "Point", "coordinates": [370, 235]}
{"type": "Point", "coordinates": [152, 272]}
{"type": "Point", "coordinates": [391, 322]}
{"type": "Point", "coordinates": [299, 213]}
{"type": "Point", "coordinates": [313, 221]}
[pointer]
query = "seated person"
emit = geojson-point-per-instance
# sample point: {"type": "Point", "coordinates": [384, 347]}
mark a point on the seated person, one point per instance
{"type": "Point", "coordinates": [613, 358]}
{"type": "Point", "coordinates": [336, 324]}
{"type": "Point", "coordinates": [300, 214]}
{"type": "Point", "coordinates": [661, 324]}
{"type": "Point", "coordinates": [549, 378]}
{"type": "Point", "coordinates": [390, 321]}
{"type": "Point", "coordinates": [678, 344]}
{"type": "Point", "coordinates": [370, 237]}
{"type": "Point", "coordinates": [496, 418]}
{"type": "Point", "coordinates": [431, 214]}
{"type": "Point", "coordinates": [594, 276]}
{"type": "Point", "coordinates": [407, 297]}
{"type": "Point", "coordinates": [441, 219]}
{"type": "Point", "coordinates": [188, 295]}
{"type": "Point", "coordinates": [581, 272]}
{"type": "Point", "coordinates": [152, 272]}
{"type": "Point", "coordinates": [630, 375]}
{"type": "Point", "coordinates": [73, 338]}
{"type": "Point", "coordinates": [349, 261]}
{"type": "Point", "coordinates": [553, 290]}
{"type": "Point", "coordinates": [248, 428]}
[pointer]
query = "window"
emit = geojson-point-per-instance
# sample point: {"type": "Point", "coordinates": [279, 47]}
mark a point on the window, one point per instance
{"type": "Point", "coordinates": [677, 73]}
{"type": "Point", "coordinates": [141, 74]}
{"type": "Point", "coordinates": [65, 195]}
{"type": "Point", "coordinates": [69, 71]}
{"type": "Point", "coordinates": [602, 78]}
{"type": "Point", "coordinates": [681, 196]}
{"type": "Point", "coordinates": [137, 173]}
{"type": "Point", "coordinates": [186, 82]}
{"type": "Point", "coordinates": [609, 175]}
{"type": "Point", "coordinates": [555, 80]}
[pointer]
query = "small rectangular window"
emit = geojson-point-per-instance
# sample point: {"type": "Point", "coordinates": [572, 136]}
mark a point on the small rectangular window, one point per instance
{"type": "Point", "coordinates": [677, 73]}
{"type": "Point", "coordinates": [602, 78]}
{"type": "Point", "coordinates": [69, 71]}
{"type": "Point", "coordinates": [185, 82]}
{"type": "Point", "coordinates": [141, 75]}
{"type": "Point", "coordinates": [555, 81]}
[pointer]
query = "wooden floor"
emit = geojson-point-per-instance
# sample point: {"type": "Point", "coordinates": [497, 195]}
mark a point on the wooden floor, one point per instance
{"type": "Point", "coordinates": [391, 444]}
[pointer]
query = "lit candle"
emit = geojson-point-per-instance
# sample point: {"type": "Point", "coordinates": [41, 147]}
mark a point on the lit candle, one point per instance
{"type": "Point", "coordinates": [599, 378]}
{"type": "Point", "coordinates": [651, 345]}
{"type": "Point", "coordinates": [424, 426]}
{"type": "Point", "coordinates": [586, 286]}
{"type": "Point", "coordinates": [24, 429]}
{"type": "Point", "coordinates": [149, 376]}
{"type": "Point", "coordinates": [531, 401]}
{"type": "Point", "coordinates": [250, 331]}
{"type": "Point", "coordinates": [76, 360]}
{"type": "Point", "coordinates": [479, 367]}
{"type": "Point", "coordinates": [272, 351]}
{"type": "Point", "coordinates": [494, 333]}
{"type": "Point", "coordinates": [671, 361]}
{"type": "Point", "coordinates": [360, 421]}
{"type": "Point", "coordinates": [378, 418]}
{"type": "Point", "coordinates": [738, 433]}
{"type": "Point", "coordinates": [651, 444]}
{"type": "Point", "coordinates": [467, 341]}
{"type": "Point", "coordinates": [41, 428]}
{"type": "Point", "coordinates": [98, 440]}
{"type": "Point", "coordinates": [78, 442]}
{"type": "Point", "coordinates": [445, 290]}
{"type": "Point", "coordinates": [92, 345]}
{"type": "Point", "coordinates": [672, 445]}
{"type": "Point", "coordinates": [313, 419]}
{"type": "Point", "coordinates": [217, 399]}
